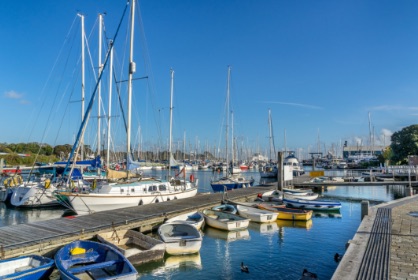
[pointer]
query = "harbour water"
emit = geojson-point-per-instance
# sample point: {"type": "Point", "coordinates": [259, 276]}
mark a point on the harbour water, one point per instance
{"type": "Point", "coordinates": [280, 250]}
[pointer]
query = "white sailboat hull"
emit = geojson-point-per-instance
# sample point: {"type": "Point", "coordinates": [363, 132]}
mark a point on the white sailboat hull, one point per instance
{"type": "Point", "coordinates": [123, 197]}
{"type": "Point", "coordinates": [34, 196]}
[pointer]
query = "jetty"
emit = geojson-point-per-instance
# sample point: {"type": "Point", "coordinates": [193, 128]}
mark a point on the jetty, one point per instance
{"type": "Point", "coordinates": [385, 245]}
{"type": "Point", "coordinates": [46, 237]}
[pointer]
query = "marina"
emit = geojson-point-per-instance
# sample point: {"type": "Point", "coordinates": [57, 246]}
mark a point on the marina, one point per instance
{"type": "Point", "coordinates": [106, 184]}
{"type": "Point", "coordinates": [281, 244]}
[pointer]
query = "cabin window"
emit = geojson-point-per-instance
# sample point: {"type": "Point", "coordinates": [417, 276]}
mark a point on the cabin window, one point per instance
{"type": "Point", "coordinates": [152, 188]}
{"type": "Point", "coordinates": [122, 190]}
{"type": "Point", "coordinates": [162, 187]}
{"type": "Point", "coordinates": [133, 190]}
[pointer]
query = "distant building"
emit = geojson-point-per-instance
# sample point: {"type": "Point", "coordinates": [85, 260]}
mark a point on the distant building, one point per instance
{"type": "Point", "coordinates": [259, 157]}
{"type": "Point", "coordinates": [413, 160]}
{"type": "Point", "coordinates": [362, 152]}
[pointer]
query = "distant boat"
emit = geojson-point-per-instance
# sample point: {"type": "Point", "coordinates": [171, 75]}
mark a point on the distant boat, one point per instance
{"type": "Point", "coordinates": [225, 221]}
{"type": "Point", "coordinates": [231, 180]}
{"type": "Point", "coordinates": [180, 238]}
{"type": "Point", "coordinates": [292, 161]}
{"type": "Point", "coordinates": [26, 267]}
{"type": "Point", "coordinates": [134, 245]}
{"type": "Point", "coordinates": [270, 170]}
{"type": "Point", "coordinates": [313, 204]}
{"type": "Point", "coordinates": [95, 260]}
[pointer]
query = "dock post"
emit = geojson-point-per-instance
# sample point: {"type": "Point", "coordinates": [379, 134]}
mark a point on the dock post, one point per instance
{"type": "Point", "coordinates": [364, 208]}
{"type": "Point", "coordinates": [280, 173]}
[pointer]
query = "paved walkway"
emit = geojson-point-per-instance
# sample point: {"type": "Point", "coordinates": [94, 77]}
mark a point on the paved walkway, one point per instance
{"type": "Point", "coordinates": [402, 248]}
{"type": "Point", "coordinates": [404, 245]}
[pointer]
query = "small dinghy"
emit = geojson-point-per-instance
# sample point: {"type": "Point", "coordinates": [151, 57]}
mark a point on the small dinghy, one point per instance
{"type": "Point", "coordinates": [134, 245]}
{"type": "Point", "coordinates": [194, 218]}
{"type": "Point", "coordinates": [313, 204]}
{"type": "Point", "coordinates": [26, 267]}
{"type": "Point", "coordinates": [225, 221]}
{"type": "Point", "coordinates": [285, 213]}
{"type": "Point", "coordinates": [93, 260]}
{"type": "Point", "coordinates": [180, 238]}
{"type": "Point", "coordinates": [308, 196]}
{"type": "Point", "coordinates": [256, 214]}
{"type": "Point", "coordinates": [227, 208]}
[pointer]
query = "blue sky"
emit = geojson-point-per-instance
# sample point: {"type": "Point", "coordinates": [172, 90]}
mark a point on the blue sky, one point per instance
{"type": "Point", "coordinates": [320, 66]}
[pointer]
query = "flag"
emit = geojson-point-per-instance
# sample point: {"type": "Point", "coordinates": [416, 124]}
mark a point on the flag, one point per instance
{"type": "Point", "coordinates": [183, 170]}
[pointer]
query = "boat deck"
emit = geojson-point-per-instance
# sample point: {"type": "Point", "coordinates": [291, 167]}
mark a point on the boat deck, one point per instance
{"type": "Point", "coordinates": [45, 237]}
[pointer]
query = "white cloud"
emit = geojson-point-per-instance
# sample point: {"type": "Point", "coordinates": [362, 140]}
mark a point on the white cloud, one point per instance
{"type": "Point", "coordinates": [296, 104]}
{"type": "Point", "coordinates": [13, 95]}
{"type": "Point", "coordinates": [386, 132]}
{"type": "Point", "coordinates": [393, 108]}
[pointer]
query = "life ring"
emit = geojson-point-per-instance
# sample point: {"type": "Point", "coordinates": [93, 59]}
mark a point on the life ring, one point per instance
{"type": "Point", "coordinates": [192, 178]}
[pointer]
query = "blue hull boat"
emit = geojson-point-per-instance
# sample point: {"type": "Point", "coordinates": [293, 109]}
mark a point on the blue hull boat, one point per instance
{"type": "Point", "coordinates": [96, 260]}
{"type": "Point", "coordinates": [26, 267]}
{"type": "Point", "coordinates": [313, 204]}
{"type": "Point", "coordinates": [231, 183]}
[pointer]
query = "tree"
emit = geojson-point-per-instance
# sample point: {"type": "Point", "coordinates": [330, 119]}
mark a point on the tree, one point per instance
{"type": "Point", "coordinates": [404, 144]}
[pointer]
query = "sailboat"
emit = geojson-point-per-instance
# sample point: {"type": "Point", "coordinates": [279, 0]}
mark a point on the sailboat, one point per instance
{"type": "Point", "coordinates": [270, 169]}
{"type": "Point", "coordinates": [132, 191]}
{"type": "Point", "coordinates": [230, 181]}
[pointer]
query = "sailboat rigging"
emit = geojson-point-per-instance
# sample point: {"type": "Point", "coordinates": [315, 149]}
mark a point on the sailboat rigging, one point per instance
{"type": "Point", "coordinates": [230, 181]}
{"type": "Point", "coordinates": [270, 170]}
{"type": "Point", "coordinates": [133, 191]}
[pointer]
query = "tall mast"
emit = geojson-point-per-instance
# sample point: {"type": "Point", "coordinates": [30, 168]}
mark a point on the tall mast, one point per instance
{"type": "Point", "coordinates": [227, 117]}
{"type": "Point", "coordinates": [99, 86]}
{"type": "Point", "coordinates": [82, 83]}
{"type": "Point", "coordinates": [132, 69]}
{"type": "Point", "coordinates": [109, 110]}
{"type": "Point", "coordinates": [272, 147]}
{"type": "Point", "coordinates": [285, 148]}
{"type": "Point", "coordinates": [233, 142]}
{"type": "Point", "coordinates": [171, 119]}
{"type": "Point", "coordinates": [370, 135]}
{"type": "Point", "coordinates": [184, 146]}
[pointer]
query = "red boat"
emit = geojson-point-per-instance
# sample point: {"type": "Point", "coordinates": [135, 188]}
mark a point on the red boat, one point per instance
{"type": "Point", "coordinates": [12, 170]}
{"type": "Point", "coordinates": [243, 167]}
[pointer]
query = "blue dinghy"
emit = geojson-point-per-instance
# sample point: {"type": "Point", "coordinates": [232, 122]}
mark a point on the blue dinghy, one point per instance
{"type": "Point", "coordinates": [95, 260]}
{"type": "Point", "coordinates": [26, 267]}
{"type": "Point", "coordinates": [312, 204]}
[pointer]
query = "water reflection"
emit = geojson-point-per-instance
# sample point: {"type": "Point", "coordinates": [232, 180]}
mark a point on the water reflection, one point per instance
{"type": "Point", "coordinates": [327, 215]}
{"type": "Point", "coordinates": [264, 228]}
{"type": "Point", "coordinates": [13, 216]}
{"type": "Point", "coordinates": [294, 224]}
{"type": "Point", "coordinates": [172, 265]}
{"type": "Point", "coordinates": [227, 235]}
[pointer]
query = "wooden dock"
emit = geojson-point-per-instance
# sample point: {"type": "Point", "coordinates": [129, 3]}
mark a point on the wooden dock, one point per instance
{"type": "Point", "coordinates": [45, 237]}
{"type": "Point", "coordinates": [302, 182]}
